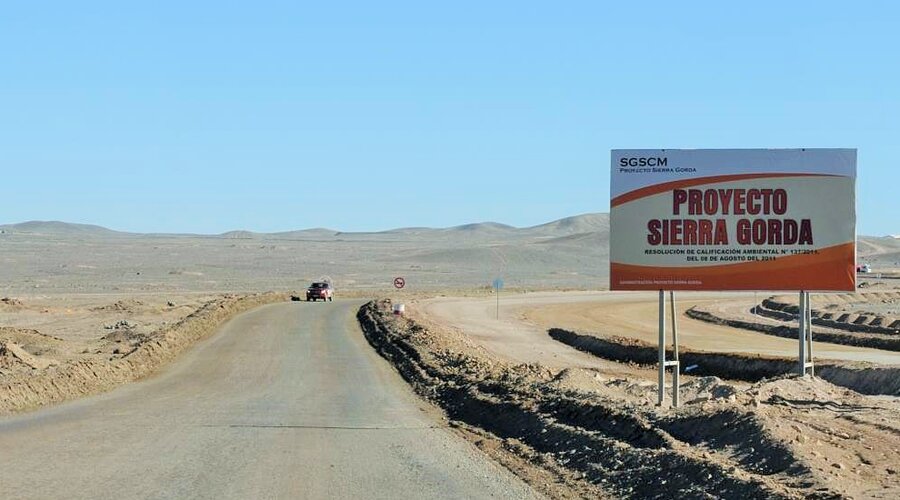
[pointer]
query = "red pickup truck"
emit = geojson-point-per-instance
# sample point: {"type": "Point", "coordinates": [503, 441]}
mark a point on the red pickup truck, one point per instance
{"type": "Point", "coordinates": [320, 290]}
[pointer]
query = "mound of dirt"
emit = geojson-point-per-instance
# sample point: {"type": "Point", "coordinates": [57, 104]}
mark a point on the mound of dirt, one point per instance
{"type": "Point", "coordinates": [863, 336]}
{"type": "Point", "coordinates": [31, 340]}
{"type": "Point", "coordinates": [13, 350]}
{"type": "Point", "coordinates": [11, 304]}
{"type": "Point", "coordinates": [870, 312]}
{"type": "Point", "coordinates": [843, 438]}
{"type": "Point", "coordinates": [122, 324]}
{"type": "Point", "coordinates": [598, 437]}
{"type": "Point", "coordinates": [707, 389]}
{"type": "Point", "coordinates": [866, 378]}
{"type": "Point", "coordinates": [142, 356]}
{"type": "Point", "coordinates": [123, 306]}
{"type": "Point", "coordinates": [124, 335]}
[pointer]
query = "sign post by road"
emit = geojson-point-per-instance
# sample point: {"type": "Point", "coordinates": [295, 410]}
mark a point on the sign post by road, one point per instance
{"type": "Point", "coordinates": [498, 285]}
{"type": "Point", "coordinates": [399, 283]}
{"type": "Point", "coordinates": [733, 219]}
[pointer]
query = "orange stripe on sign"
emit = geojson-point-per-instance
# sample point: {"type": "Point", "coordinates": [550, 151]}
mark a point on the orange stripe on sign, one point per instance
{"type": "Point", "coordinates": [831, 269]}
{"type": "Point", "coordinates": [699, 181]}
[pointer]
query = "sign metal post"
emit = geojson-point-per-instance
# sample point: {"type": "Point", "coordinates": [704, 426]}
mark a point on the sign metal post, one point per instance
{"type": "Point", "coordinates": [804, 335]}
{"type": "Point", "coordinates": [674, 362]}
{"type": "Point", "coordinates": [676, 365]}
{"type": "Point", "coordinates": [662, 348]}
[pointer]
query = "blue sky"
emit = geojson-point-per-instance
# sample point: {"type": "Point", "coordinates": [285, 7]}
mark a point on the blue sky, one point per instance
{"type": "Point", "coordinates": [210, 116]}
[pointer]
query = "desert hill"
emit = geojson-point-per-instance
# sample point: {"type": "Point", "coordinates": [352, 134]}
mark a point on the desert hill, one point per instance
{"type": "Point", "coordinates": [43, 257]}
{"type": "Point", "coordinates": [58, 228]}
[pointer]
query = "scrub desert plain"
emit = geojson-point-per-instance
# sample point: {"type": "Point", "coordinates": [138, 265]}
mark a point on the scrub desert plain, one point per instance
{"type": "Point", "coordinates": [557, 386]}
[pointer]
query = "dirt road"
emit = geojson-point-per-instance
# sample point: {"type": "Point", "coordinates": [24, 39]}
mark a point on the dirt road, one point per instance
{"type": "Point", "coordinates": [287, 401]}
{"type": "Point", "coordinates": [511, 337]}
{"type": "Point", "coordinates": [521, 332]}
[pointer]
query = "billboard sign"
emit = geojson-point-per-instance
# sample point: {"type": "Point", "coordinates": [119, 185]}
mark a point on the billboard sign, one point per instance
{"type": "Point", "coordinates": [733, 219]}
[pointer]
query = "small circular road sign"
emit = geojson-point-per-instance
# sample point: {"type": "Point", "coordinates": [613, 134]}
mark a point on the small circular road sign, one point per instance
{"type": "Point", "coordinates": [399, 282]}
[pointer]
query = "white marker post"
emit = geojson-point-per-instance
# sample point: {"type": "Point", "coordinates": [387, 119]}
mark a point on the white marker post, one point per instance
{"type": "Point", "coordinates": [498, 285]}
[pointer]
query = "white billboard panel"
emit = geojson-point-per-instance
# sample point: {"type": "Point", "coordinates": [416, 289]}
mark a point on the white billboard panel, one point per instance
{"type": "Point", "coordinates": [733, 219]}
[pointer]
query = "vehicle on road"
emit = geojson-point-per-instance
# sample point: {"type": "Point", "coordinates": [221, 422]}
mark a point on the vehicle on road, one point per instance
{"type": "Point", "coordinates": [320, 290]}
{"type": "Point", "coordinates": [864, 268]}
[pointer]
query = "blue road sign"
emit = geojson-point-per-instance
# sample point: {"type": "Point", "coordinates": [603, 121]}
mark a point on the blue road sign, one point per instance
{"type": "Point", "coordinates": [498, 283]}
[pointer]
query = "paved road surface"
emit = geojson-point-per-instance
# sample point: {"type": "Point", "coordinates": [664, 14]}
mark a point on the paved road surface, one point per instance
{"type": "Point", "coordinates": [287, 401]}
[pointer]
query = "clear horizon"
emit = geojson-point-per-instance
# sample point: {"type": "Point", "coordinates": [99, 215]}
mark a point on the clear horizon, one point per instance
{"type": "Point", "coordinates": [210, 117]}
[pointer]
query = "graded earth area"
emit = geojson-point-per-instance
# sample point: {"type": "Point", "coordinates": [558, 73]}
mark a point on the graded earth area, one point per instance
{"type": "Point", "coordinates": [598, 431]}
{"type": "Point", "coordinates": [520, 332]}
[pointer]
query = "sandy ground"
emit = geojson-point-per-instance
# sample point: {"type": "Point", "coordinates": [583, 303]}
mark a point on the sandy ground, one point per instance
{"type": "Point", "coordinates": [67, 328]}
{"type": "Point", "coordinates": [521, 332]}
{"type": "Point", "coordinates": [846, 442]}
{"type": "Point", "coordinates": [508, 336]}
{"type": "Point", "coordinates": [784, 438]}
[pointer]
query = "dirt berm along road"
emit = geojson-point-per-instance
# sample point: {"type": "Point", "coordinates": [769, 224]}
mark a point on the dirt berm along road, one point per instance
{"type": "Point", "coordinates": [286, 401]}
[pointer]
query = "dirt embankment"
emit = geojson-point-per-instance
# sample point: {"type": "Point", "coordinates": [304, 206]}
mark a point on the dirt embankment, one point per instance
{"type": "Point", "coordinates": [138, 356]}
{"type": "Point", "coordinates": [886, 342]}
{"type": "Point", "coordinates": [771, 441]}
{"type": "Point", "coordinates": [857, 315]}
{"type": "Point", "coordinates": [864, 378]}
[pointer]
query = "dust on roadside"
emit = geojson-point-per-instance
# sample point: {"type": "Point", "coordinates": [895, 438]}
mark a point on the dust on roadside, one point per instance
{"type": "Point", "coordinates": [54, 330]}
{"type": "Point", "coordinates": [59, 348]}
{"type": "Point", "coordinates": [596, 433]}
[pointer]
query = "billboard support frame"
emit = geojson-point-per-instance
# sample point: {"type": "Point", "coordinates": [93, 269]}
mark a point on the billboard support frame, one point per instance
{"type": "Point", "coordinates": [804, 335]}
{"type": "Point", "coordinates": [674, 362]}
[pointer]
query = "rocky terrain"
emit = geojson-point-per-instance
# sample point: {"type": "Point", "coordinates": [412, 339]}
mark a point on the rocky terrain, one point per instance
{"type": "Point", "coordinates": [112, 344]}
{"type": "Point", "coordinates": [577, 432]}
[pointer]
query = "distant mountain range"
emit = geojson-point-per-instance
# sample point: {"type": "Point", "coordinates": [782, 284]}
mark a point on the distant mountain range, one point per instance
{"type": "Point", "coordinates": [579, 230]}
{"type": "Point", "coordinates": [578, 224]}
{"type": "Point", "coordinates": [57, 227]}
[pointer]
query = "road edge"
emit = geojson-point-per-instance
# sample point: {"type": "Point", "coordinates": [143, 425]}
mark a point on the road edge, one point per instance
{"type": "Point", "coordinates": [83, 378]}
